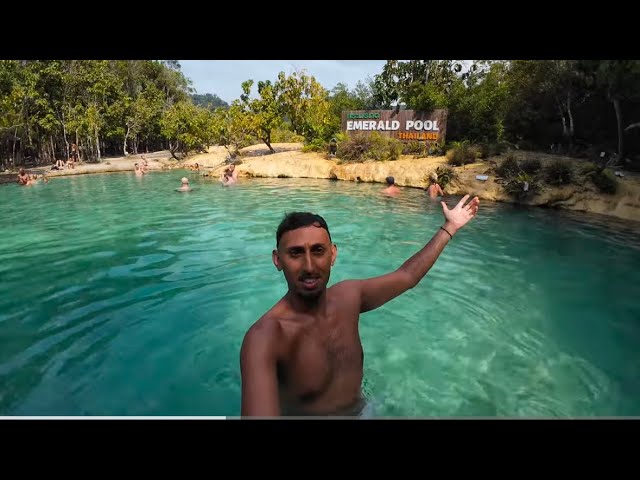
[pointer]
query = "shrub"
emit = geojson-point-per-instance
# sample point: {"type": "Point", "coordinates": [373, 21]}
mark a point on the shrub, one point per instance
{"type": "Point", "coordinates": [558, 172]}
{"type": "Point", "coordinates": [446, 175]}
{"type": "Point", "coordinates": [461, 153]}
{"type": "Point", "coordinates": [282, 135]}
{"type": "Point", "coordinates": [508, 168]}
{"type": "Point", "coordinates": [437, 149]}
{"type": "Point", "coordinates": [361, 147]}
{"type": "Point", "coordinates": [414, 148]}
{"type": "Point", "coordinates": [589, 168]}
{"type": "Point", "coordinates": [523, 185]}
{"type": "Point", "coordinates": [316, 145]}
{"type": "Point", "coordinates": [483, 150]}
{"type": "Point", "coordinates": [605, 181]}
{"type": "Point", "coordinates": [531, 166]}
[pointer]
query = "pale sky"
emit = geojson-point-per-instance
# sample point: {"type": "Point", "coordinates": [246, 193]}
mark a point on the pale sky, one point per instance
{"type": "Point", "coordinates": [224, 77]}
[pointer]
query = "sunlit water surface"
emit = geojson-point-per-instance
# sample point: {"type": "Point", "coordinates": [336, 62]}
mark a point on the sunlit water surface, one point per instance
{"type": "Point", "coordinates": [121, 296]}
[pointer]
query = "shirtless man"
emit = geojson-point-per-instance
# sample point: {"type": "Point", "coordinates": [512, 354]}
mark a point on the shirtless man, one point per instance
{"type": "Point", "coordinates": [184, 187]}
{"type": "Point", "coordinates": [304, 356]}
{"type": "Point", "coordinates": [229, 176]}
{"type": "Point", "coordinates": [392, 189]}
{"type": "Point", "coordinates": [434, 189]}
{"type": "Point", "coordinates": [23, 178]}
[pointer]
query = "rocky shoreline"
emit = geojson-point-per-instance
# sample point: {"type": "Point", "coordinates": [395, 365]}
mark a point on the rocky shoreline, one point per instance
{"type": "Point", "coordinates": [290, 161]}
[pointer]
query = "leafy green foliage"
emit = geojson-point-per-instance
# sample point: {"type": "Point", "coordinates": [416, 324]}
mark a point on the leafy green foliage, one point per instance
{"type": "Point", "coordinates": [605, 181]}
{"type": "Point", "coordinates": [303, 102]}
{"type": "Point", "coordinates": [361, 147]}
{"type": "Point", "coordinates": [532, 166]}
{"type": "Point", "coordinates": [112, 107]}
{"type": "Point", "coordinates": [523, 185]}
{"type": "Point", "coordinates": [418, 149]}
{"type": "Point", "coordinates": [445, 174]}
{"type": "Point", "coordinates": [601, 177]}
{"type": "Point", "coordinates": [283, 135]}
{"type": "Point", "coordinates": [462, 153]}
{"type": "Point", "coordinates": [209, 101]}
{"type": "Point", "coordinates": [187, 127]}
{"type": "Point", "coordinates": [558, 172]}
{"type": "Point", "coordinates": [508, 168]}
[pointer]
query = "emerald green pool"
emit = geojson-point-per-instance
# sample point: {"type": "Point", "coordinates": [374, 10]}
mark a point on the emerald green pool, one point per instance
{"type": "Point", "coordinates": [121, 296]}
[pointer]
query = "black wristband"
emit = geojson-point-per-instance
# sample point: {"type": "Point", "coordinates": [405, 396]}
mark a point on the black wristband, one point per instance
{"type": "Point", "coordinates": [442, 228]}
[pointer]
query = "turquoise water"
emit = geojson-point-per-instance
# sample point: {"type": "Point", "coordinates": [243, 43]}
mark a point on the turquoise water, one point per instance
{"type": "Point", "coordinates": [124, 297]}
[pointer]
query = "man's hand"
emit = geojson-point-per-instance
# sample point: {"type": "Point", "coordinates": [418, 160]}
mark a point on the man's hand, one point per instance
{"type": "Point", "coordinates": [458, 216]}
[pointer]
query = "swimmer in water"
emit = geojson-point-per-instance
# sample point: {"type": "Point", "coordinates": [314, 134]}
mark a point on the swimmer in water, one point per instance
{"type": "Point", "coordinates": [392, 189]}
{"type": "Point", "coordinates": [304, 356]}
{"type": "Point", "coordinates": [185, 185]}
{"type": "Point", "coordinates": [434, 189]}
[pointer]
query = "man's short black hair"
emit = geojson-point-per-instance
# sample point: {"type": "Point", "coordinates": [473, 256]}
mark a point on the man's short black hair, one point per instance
{"type": "Point", "coordinates": [391, 180]}
{"type": "Point", "coordinates": [294, 220]}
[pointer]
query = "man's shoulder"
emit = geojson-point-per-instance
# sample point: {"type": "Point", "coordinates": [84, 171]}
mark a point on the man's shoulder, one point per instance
{"type": "Point", "coordinates": [346, 286]}
{"type": "Point", "coordinates": [262, 337]}
{"type": "Point", "coordinates": [267, 327]}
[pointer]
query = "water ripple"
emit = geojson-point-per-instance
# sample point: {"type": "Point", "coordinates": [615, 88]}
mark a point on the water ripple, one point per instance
{"type": "Point", "coordinates": [133, 299]}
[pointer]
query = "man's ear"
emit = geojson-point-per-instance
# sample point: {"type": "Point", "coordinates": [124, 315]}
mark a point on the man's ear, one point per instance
{"type": "Point", "coordinates": [276, 260]}
{"type": "Point", "coordinates": [334, 253]}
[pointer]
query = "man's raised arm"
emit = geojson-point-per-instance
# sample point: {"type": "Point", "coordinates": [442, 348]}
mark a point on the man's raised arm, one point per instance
{"type": "Point", "coordinates": [375, 292]}
{"type": "Point", "coordinates": [258, 367]}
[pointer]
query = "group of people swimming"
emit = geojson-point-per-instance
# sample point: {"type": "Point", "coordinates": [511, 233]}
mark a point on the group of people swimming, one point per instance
{"type": "Point", "coordinates": [139, 169]}
{"type": "Point", "coordinates": [27, 179]}
{"type": "Point", "coordinates": [433, 189]}
{"type": "Point", "coordinates": [229, 177]}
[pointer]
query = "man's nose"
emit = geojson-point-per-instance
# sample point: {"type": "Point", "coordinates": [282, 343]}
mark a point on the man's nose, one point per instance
{"type": "Point", "coordinates": [308, 263]}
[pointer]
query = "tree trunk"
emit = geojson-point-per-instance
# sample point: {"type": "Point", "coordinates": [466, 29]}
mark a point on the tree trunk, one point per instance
{"type": "Point", "coordinates": [571, 130]}
{"type": "Point", "coordinates": [95, 130]}
{"type": "Point", "coordinates": [616, 106]}
{"type": "Point", "coordinates": [633, 125]}
{"type": "Point", "coordinates": [172, 149]}
{"type": "Point", "coordinates": [64, 130]}
{"type": "Point", "coordinates": [565, 130]}
{"type": "Point", "coordinates": [13, 152]}
{"type": "Point", "coordinates": [126, 135]}
{"type": "Point", "coordinates": [267, 142]}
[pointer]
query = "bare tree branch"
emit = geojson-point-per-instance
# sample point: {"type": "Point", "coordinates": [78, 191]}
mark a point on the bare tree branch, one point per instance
{"type": "Point", "coordinates": [633, 125]}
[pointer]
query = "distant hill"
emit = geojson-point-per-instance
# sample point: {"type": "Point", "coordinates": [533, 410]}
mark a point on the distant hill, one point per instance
{"type": "Point", "coordinates": [208, 100]}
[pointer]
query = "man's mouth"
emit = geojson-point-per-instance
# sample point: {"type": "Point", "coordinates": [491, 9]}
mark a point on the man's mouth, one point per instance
{"type": "Point", "coordinates": [310, 282]}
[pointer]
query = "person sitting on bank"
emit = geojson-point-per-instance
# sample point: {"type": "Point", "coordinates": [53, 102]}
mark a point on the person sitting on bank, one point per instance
{"type": "Point", "coordinates": [333, 147]}
{"type": "Point", "coordinates": [59, 165]}
{"type": "Point", "coordinates": [434, 189]}
{"type": "Point", "coordinates": [392, 189]}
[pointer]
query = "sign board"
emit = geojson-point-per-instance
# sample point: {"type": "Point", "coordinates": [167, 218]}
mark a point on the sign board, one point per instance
{"type": "Point", "coordinates": [405, 125]}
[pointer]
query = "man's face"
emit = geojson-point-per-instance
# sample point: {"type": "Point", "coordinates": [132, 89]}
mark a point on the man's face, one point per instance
{"type": "Point", "coordinates": [306, 256]}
